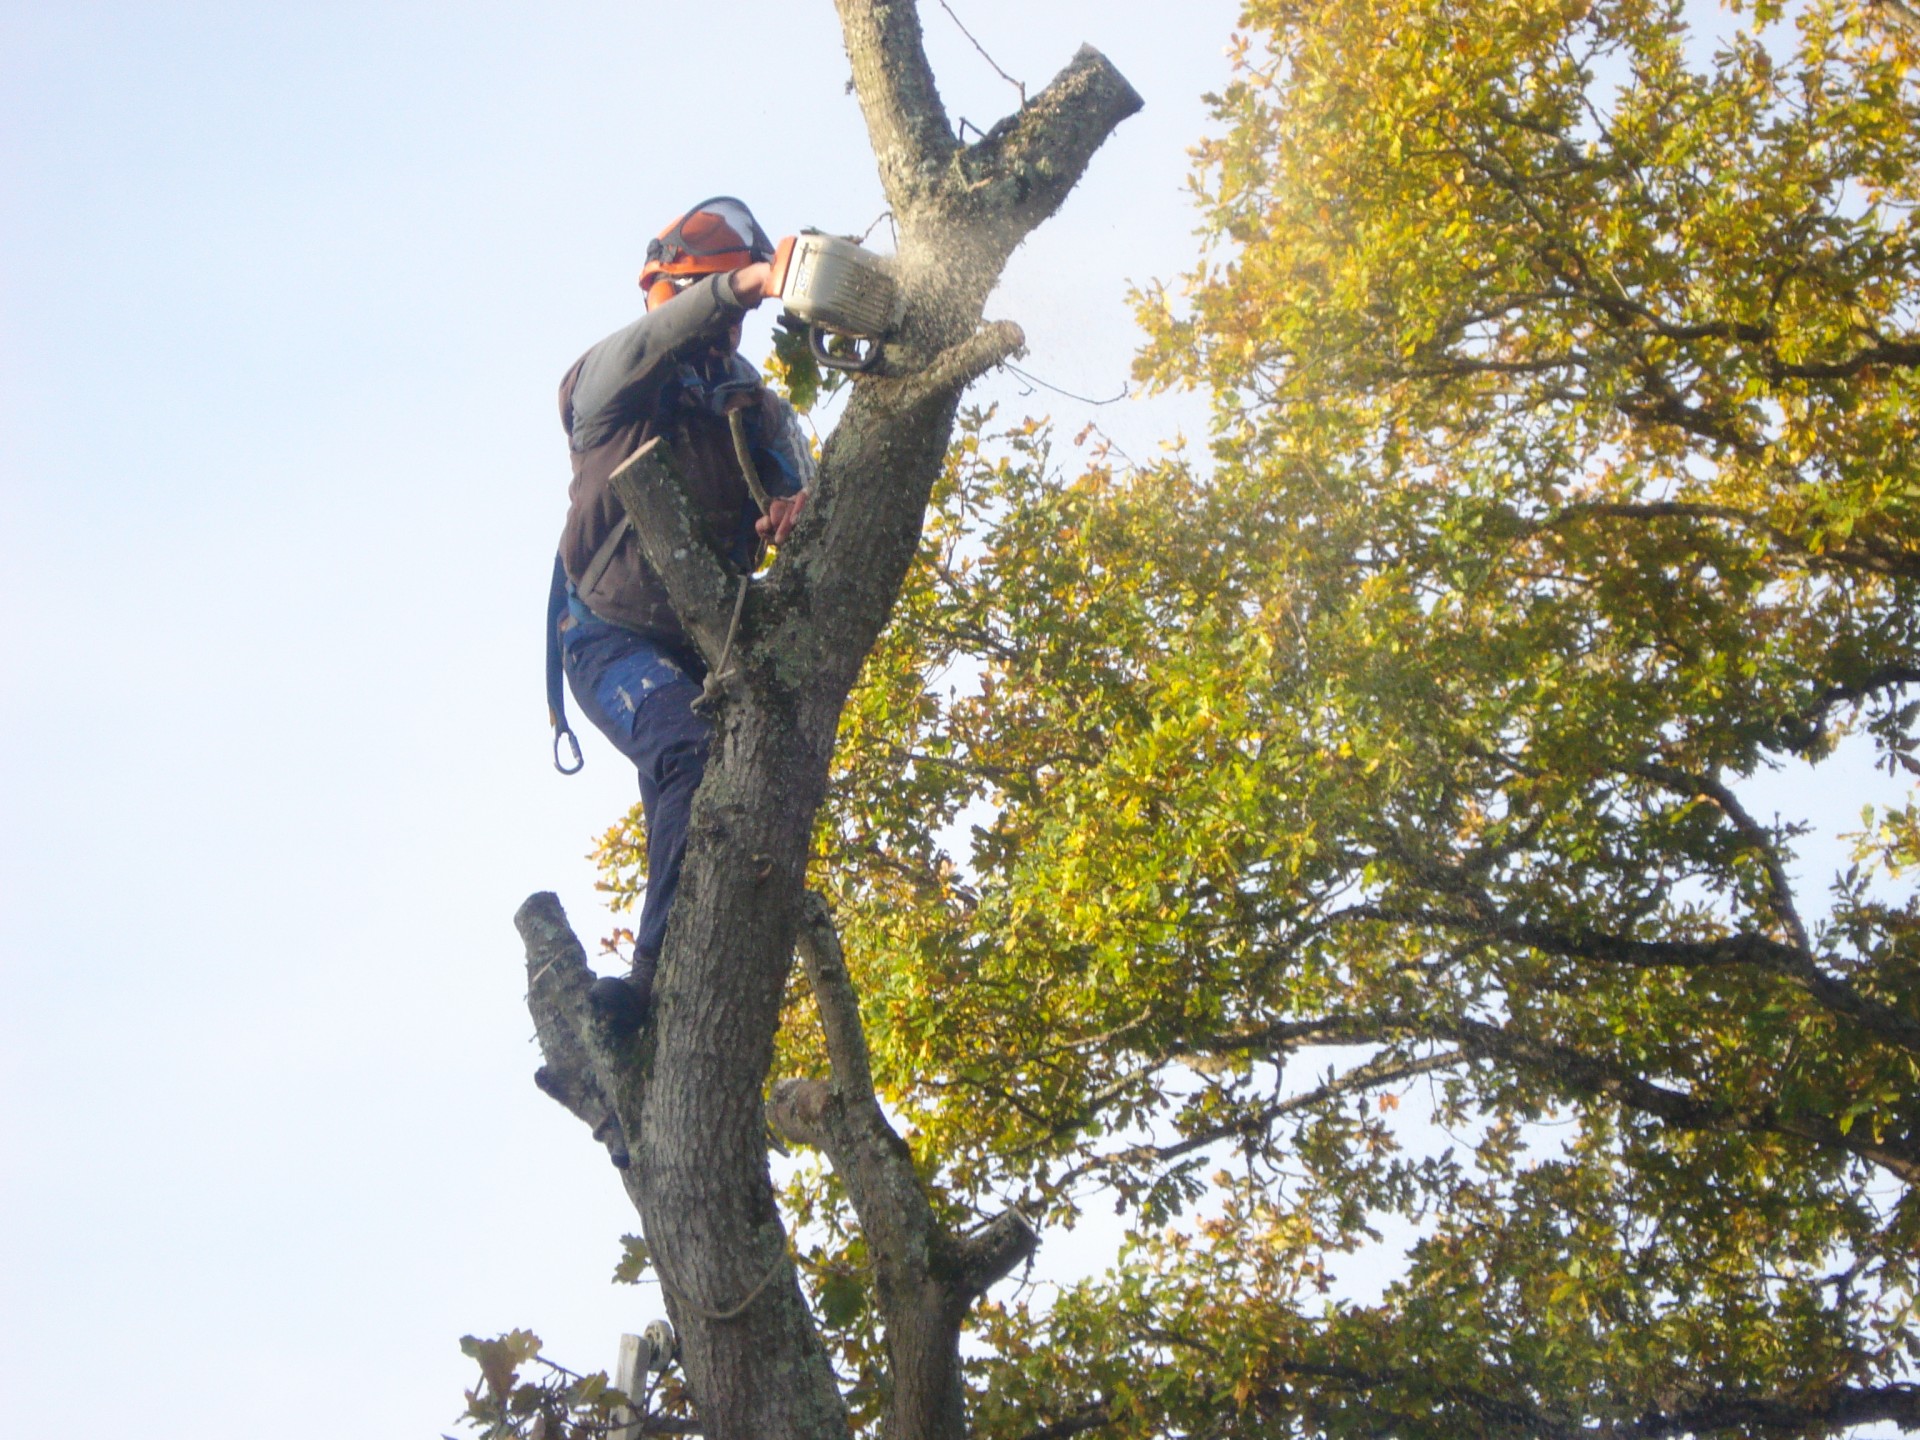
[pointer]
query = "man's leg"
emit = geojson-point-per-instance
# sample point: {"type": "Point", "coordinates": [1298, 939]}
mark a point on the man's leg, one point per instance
{"type": "Point", "coordinates": [640, 696]}
{"type": "Point", "coordinates": [672, 757]}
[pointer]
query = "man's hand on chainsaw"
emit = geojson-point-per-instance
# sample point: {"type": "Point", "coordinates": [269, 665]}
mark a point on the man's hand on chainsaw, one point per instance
{"type": "Point", "coordinates": [752, 283]}
{"type": "Point", "coordinates": [782, 515]}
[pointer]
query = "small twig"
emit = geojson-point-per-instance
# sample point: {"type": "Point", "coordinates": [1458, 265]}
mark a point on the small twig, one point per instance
{"type": "Point", "coordinates": [983, 54]}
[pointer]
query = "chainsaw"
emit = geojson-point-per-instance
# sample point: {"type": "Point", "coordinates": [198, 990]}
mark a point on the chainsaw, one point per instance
{"type": "Point", "coordinates": [835, 286]}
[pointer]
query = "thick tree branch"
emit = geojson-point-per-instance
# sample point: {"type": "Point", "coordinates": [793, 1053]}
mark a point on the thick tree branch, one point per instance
{"type": "Point", "coordinates": [1566, 1068]}
{"type": "Point", "coordinates": [925, 1278]}
{"type": "Point", "coordinates": [907, 125]}
{"type": "Point", "coordinates": [1902, 354]}
{"type": "Point", "coordinates": [1094, 1415]}
{"type": "Point", "coordinates": [1830, 558]}
{"type": "Point", "coordinates": [1020, 171]}
{"type": "Point", "coordinates": [1841, 1407]}
{"type": "Point", "coordinates": [1897, 15]}
{"type": "Point", "coordinates": [1882, 1021]}
{"type": "Point", "coordinates": [1493, 1415]}
{"type": "Point", "coordinates": [838, 1002]}
{"type": "Point", "coordinates": [1804, 729]}
{"type": "Point", "coordinates": [1594, 1076]}
{"type": "Point", "coordinates": [1711, 1413]}
{"type": "Point", "coordinates": [958, 366]}
{"type": "Point", "coordinates": [703, 593]}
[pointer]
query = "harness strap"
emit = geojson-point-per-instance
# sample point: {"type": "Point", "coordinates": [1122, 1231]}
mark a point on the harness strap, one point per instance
{"type": "Point", "coordinates": [603, 557]}
{"type": "Point", "coordinates": [556, 678]}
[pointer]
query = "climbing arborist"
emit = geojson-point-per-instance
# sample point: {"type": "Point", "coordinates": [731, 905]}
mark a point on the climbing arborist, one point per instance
{"type": "Point", "coordinates": [675, 374]}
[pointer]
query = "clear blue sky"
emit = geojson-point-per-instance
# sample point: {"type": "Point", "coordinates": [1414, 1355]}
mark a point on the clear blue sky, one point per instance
{"type": "Point", "coordinates": [285, 292]}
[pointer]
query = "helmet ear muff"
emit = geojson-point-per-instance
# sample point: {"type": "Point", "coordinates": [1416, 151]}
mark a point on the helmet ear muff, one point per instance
{"type": "Point", "coordinates": [659, 292]}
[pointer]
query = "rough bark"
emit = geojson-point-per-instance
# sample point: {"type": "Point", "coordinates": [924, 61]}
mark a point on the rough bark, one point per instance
{"type": "Point", "coordinates": [687, 1096]}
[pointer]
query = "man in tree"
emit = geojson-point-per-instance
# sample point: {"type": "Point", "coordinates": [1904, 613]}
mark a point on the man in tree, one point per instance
{"type": "Point", "coordinates": [691, 1109]}
{"type": "Point", "coordinates": [673, 375]}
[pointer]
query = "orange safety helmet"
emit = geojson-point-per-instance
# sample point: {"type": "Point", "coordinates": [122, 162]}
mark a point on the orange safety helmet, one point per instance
{"type": "Point", "coordinates": [716, 235]}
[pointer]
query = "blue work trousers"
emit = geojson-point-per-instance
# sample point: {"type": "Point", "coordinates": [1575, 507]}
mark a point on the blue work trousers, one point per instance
{"type": "Point", "coordinates": [641, 694]}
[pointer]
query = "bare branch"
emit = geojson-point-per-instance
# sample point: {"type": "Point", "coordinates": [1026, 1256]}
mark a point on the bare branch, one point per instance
{"type": "Point", "coordinates": [1592, 1075]}
{"type": "Point", "coordinates": [960, 365]}
{"type": "Point", "coordinates": [1843, 1406]}
{"type": "Point", "coordinates": [1877, 1018]}
{"type": "Point", "coordinates": [1714, 1412]}
{"type": "Point", "coordinates": [1094, 1415]}
{"type": "Point", "coordinates": [925, 1278]}
{"type": "Point", "coordinates": [1572, 1071]}
{"type": "Point", "coordinates": [1861, 554]}
{"type": "Point", "coordinates": [838, 1002]}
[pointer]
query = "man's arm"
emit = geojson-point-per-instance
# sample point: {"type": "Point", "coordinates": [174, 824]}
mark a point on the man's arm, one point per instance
{"type": "Point", "coordinates": [621, 374]}
{"type": "Point", "coordinates": [785, 444]}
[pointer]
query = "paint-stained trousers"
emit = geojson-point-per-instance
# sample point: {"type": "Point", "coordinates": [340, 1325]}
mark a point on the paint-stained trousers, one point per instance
{"type": "Point", "coordinates": [641, 695]}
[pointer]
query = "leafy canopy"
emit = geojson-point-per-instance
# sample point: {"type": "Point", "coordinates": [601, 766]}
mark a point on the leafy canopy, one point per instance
{"type": "Point", "coordinates": [1360, 840]}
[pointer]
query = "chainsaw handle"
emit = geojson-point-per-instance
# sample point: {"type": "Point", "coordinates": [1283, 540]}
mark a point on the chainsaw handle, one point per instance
{"type": "Point", "coordinates": [857, 363]}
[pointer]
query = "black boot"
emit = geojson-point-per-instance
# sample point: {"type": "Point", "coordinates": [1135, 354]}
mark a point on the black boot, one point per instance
{"type": "Point", "coordinates": [625, 1003]}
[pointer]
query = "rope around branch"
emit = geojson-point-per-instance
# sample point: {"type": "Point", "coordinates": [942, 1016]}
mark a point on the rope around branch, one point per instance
{"type": "Point", "coordinates": [716, 1317]}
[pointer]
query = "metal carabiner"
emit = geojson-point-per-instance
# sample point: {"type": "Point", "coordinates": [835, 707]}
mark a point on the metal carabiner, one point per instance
{"type": "Point", "coordinates": [565, 732]}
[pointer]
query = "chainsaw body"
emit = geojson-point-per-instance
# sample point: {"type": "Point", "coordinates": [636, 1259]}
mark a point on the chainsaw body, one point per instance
{"type": "Point", "coordinates": [837, 287]}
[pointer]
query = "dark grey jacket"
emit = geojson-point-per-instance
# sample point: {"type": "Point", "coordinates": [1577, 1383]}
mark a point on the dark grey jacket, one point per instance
{"type": "Point", "coordinates": [651, 379]}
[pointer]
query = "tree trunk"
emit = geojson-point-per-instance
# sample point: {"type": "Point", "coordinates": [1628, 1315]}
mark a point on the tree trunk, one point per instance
{"type": "Point", "coordinates": [685, 1100]}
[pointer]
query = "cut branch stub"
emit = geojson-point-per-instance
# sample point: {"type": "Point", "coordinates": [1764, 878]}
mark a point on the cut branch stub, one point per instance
{"type": "Point", "coordinates": [993, 1252]}
{"type": "Point", "coordinates": [664, 522]}
{"type": "Point", "coordinates": [573, 1043]}
{"type": "Point", "coordinates": [1021, 170]}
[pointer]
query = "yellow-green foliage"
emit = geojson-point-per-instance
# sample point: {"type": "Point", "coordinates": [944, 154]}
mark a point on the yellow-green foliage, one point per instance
{"type": "Point", "coordinates": [1356, 832]}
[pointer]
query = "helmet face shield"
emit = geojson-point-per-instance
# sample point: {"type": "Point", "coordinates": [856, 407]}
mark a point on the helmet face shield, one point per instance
{"type": "Point", "coordinates": [716, 235]}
